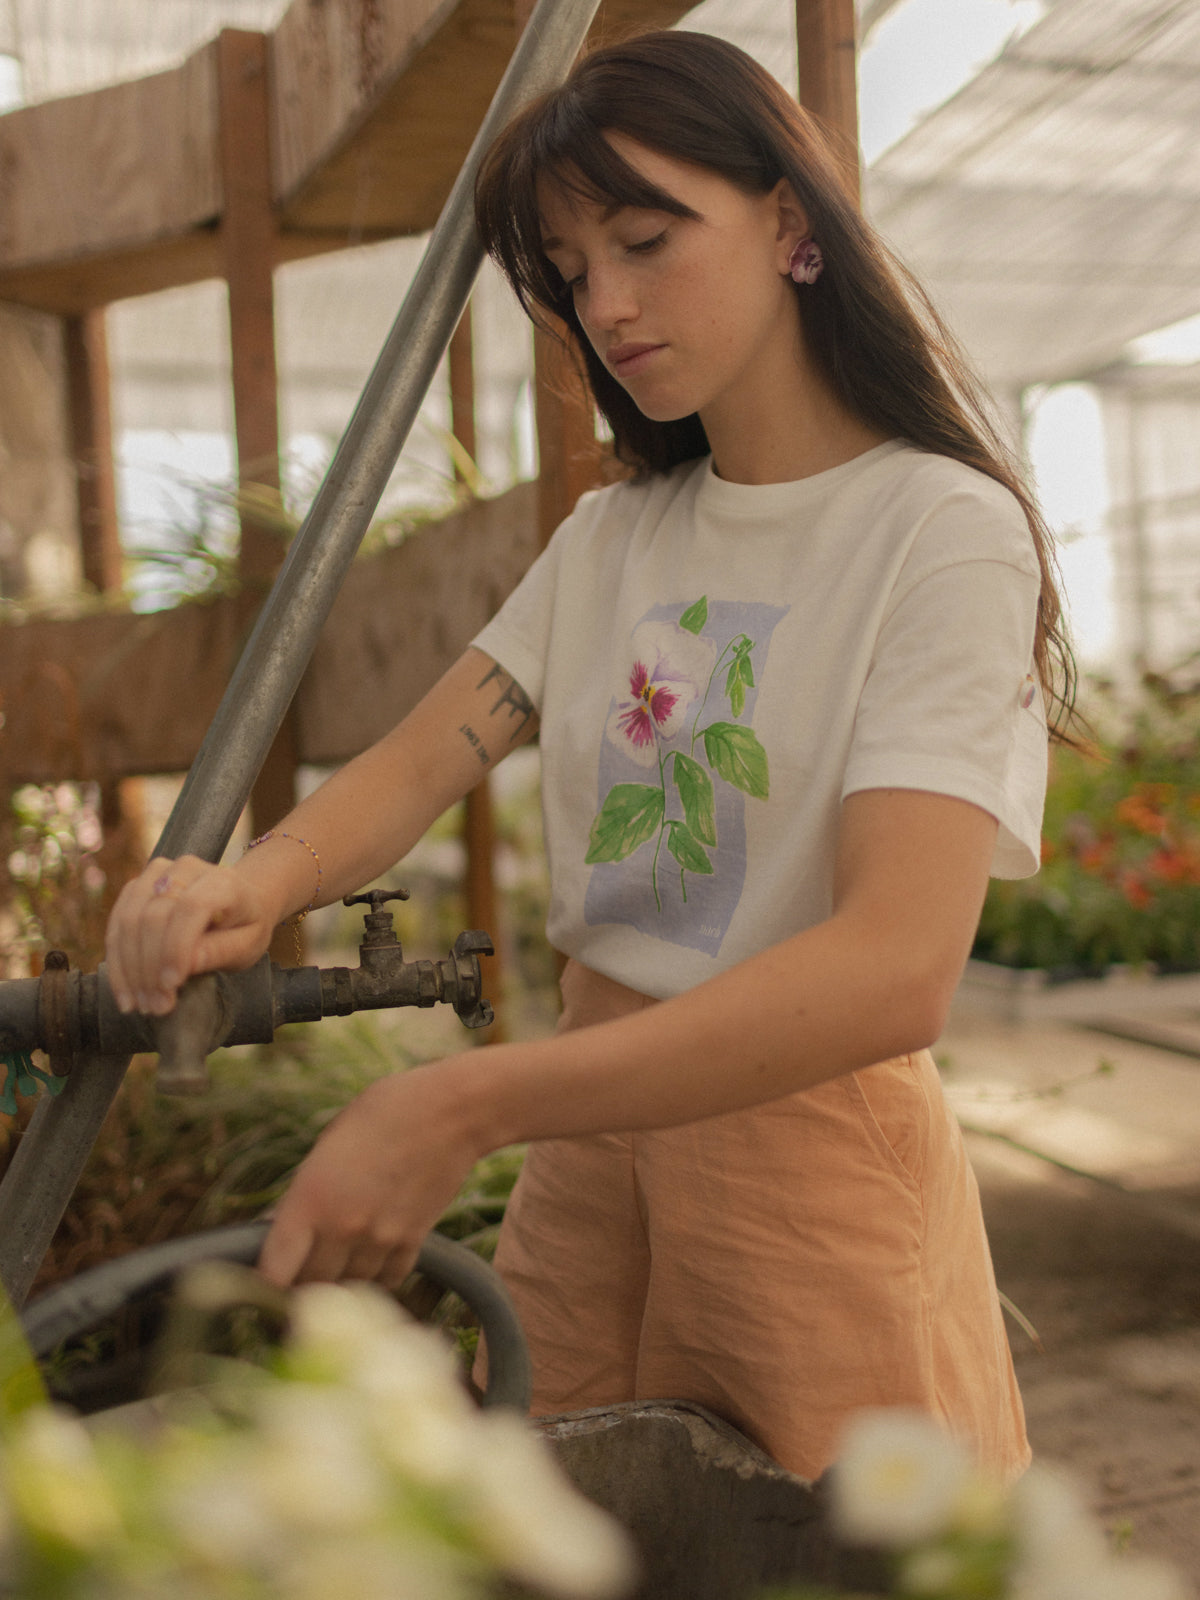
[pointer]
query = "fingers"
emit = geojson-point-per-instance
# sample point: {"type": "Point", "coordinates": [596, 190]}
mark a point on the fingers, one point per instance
{"type": "Point", "coordinates": [296, 1253]}
{"type": "Point", "coordinates": [163, 925]}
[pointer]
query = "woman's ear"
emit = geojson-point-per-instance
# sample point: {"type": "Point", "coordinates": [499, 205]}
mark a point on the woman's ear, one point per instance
{"type": "Point", "coordinates": [791, 221]}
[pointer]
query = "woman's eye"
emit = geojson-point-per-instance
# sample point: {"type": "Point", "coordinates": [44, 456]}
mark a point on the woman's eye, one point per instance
{"type": "Point", "coordinates": [643, 247]}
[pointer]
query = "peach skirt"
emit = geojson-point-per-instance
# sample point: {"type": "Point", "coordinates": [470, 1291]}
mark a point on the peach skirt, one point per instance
{"type": "Point", "coordinates": [783, 1266]}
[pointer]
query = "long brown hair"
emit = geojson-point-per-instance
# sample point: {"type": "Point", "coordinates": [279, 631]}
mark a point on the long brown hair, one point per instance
{"type": "Point", "coordinates": [867, 322]}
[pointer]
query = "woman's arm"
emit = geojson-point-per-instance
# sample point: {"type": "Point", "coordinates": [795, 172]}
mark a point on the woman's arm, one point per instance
{"type": "Point", "coordinates": [874, 981]}
{"type": "Point", "coordinates": [357, 825]}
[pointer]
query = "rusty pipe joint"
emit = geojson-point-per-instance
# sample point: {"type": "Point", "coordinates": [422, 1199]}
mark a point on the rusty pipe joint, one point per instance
{"type": "Point", "coordinates": [69, 1013]}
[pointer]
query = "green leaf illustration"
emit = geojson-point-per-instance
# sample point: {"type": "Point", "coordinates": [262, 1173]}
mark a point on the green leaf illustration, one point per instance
{"type": "Point", "coordinates": [735, 754]}
{"type": "Point", "coordinates": [696, 791]}
{"type": "Point", "coordinates": [738, 679]}
{"type": "Point", "coordinates": [686, 848]}
{"type": "Point", "coordinates": [631, 814]}
{"type": "Point", "coordinates": [694, 618]}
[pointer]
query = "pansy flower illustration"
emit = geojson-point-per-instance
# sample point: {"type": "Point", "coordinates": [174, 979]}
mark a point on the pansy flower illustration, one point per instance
{"type": "Point", "coordinates": [657, 718]}
{"type": "Point", "coordinates": [668, 671]}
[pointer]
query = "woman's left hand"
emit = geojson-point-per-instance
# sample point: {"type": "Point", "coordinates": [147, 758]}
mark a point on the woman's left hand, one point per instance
{"type": "Point", "coordinates": [375, 1183]}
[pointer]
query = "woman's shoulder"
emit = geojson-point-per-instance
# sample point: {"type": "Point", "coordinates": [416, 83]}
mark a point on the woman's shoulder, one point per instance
{"type": "Point", "coordinates": [628, 503]}
{"type": "Point", "coordinates": [958, 512]}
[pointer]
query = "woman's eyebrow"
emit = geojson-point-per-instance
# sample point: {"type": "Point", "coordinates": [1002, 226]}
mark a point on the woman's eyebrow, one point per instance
{"type": "Point", "coordinates": [609, 212]}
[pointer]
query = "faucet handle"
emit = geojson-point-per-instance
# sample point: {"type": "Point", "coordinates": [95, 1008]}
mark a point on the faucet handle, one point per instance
{"type": "Point", "coordinates": [375, 898]}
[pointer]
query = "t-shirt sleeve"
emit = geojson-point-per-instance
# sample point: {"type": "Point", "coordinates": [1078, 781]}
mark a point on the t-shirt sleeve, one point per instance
{"type": "Point", "coordinates": [951, 702]}
{"type": "Point", "coordinates": [518, 635]}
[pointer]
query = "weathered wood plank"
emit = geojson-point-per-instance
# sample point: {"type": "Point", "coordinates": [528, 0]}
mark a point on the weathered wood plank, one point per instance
{"type": "Point", "coordinates": [121, 167]}
{"type": "Point", "coordinates": [85, 283]}
{"type": "Point", "coordinates": [118, 192]}
{"type": "Point", "coordinates": [330, 59]}
{"type": "Point", "coordinates": [116, 695]}
{"type": "Point", "coordinates": [397, 625]}
{"type": "Point", "coordinates": [371, 128]}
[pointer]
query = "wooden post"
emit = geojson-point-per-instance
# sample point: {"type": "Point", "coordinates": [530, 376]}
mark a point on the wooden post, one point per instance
{"type": "Point", "coordinates": [248, 245]}
{"type": "Point", "coordinates": [122, 852]}
{"type": "Point", "coordinates": [478, 827]}
{"type": "Point", "coordinates": [570, 457]}
{"type": "Point", "coordinates": [826, 54]}
{"type": "Point", "coordinates": [90, 411]}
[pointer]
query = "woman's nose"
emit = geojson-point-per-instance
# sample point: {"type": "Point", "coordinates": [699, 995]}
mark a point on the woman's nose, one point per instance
{"type": "Point", "coordinates": [609, 299]}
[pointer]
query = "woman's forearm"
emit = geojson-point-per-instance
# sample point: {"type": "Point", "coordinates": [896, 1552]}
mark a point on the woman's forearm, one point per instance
{"type": "Point", "coordinates": [809, 1009]}
{"type": "Point", "coordinates": [872, 982]}
{"type": "Point", "coordinates": [371, 813]}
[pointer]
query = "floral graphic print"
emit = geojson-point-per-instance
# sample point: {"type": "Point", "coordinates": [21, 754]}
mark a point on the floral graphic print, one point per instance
{"type": "Point", "coordinates": [670, 670]}
{"type": "Point", "coordinates": [658, 720]}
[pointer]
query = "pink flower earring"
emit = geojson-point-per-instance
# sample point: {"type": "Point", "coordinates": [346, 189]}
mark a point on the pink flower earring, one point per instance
{"type": "Point", "coordinates": [806, 261]}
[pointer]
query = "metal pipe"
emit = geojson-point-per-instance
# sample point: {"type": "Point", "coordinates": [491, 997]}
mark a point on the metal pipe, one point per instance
{"type": "Point", "coordinates": [39, 1182]}
{"type": "Point", "coordinates": [285, 635]}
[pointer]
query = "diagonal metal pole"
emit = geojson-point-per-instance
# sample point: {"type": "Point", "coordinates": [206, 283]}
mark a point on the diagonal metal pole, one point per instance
{"type": "Point", "coordinates": [52, 1154]}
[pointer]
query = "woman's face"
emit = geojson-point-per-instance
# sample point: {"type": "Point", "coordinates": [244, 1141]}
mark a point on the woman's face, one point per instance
{"type": "Point", "coordinates": [689, 314]}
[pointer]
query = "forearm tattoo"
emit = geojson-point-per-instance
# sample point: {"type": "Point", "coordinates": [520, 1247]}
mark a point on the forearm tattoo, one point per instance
{"type": "Point", "coordinates": [511, 695]}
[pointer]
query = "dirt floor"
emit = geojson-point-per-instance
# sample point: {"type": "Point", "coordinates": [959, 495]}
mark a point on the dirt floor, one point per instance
{"type": "Point", "coordinates": [1114, 1295]}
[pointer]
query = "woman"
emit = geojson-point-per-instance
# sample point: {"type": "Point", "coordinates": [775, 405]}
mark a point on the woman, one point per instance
{"type": "Point", "coordinates": [789, 680]}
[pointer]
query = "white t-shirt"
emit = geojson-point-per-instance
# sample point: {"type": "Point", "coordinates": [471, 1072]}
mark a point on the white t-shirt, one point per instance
{"type": "Point", "coordinates": [717, 665]}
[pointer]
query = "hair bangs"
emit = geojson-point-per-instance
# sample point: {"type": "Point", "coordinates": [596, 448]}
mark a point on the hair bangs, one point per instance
{"type": "Point", "coordinates": [560, 144]}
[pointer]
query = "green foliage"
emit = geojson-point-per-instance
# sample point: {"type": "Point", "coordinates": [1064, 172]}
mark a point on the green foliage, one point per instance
{"type": "Point", "coordinates": [1120, 876]}
{"type": "Point", "coordinates": [697, 797]}
{"type": "Point", "coordinates": [737, 756]}
{"type": "Point", "coordinates": [631, 814]}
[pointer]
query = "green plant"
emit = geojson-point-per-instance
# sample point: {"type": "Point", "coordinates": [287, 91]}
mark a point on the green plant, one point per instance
{"type": "Point", "coordinates": [162, 1166]}
{"type": "Point", "coordinates": [1120, 875]}
{"type": "Point", "coordinates": [56, 887]}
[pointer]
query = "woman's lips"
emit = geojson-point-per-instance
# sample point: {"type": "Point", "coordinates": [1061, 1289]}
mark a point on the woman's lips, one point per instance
{"type": "Point", "coordinates": [626, 360]}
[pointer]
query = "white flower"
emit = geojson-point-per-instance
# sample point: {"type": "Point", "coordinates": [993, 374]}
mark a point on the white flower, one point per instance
{"type": "Point", "coordinates": [898, 1479]}
{"type": "Point", "coordinates": [1117, 1578]}
{"type": "Point", "coordinates": [207, 1503]}
{"type": "Point", "coordinates": [1056, 1534]}
{"type": "Point", "coordinates": [664, 675]}
{"type": "Point", "coordinates": [933, 1570]}
{"type": "Point", "coordinates": [55, 1482]}
{"type": "Point", "coordinates": [349, 1327]}
{"type": "Point", "coordinates": [528, 1517]}
{"type": "Point", "coordinates": [312, 1466]}
{"type": "Point", "coordinates": [1062, 1553]}
{"type": "Point", "coordinates": [371, 1568]}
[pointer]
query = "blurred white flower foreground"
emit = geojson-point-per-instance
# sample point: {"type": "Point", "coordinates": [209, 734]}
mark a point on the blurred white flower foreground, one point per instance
{"type": "Point", "coordinates": [903, 1484]}
{"type": "Point", "coordinates": [359, 1467]}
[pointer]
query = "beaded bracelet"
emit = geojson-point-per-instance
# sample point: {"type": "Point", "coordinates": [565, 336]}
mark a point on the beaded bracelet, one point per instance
{"type": "Point", "coordinates": [278, 833]}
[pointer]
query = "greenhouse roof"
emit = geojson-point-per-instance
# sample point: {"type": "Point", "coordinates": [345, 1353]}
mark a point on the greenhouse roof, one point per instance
{"type": "Point", "coordinates": [1054, 203]}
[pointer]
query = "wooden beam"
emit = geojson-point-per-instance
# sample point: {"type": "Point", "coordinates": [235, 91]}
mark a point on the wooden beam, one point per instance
{"type": "Point", "coordinates": [461, 361]}
{"type": "Point", "coordinates": [248, 240]}
{"type": "Point", "coordinates": [248, 244]}
{"type": "Point", "coordinates": [118, 694]}
{"type": "Point", "coordinates": [120, 168]}
{"type": "Point", "coordinates": [90, 413]}
{"type": "Point", "coordinates": [826, 51]}
{"type": "Point", "coordinates": [376, 106]}
{"type": "Point", "coordinates": [118, 192]}
{"type": "Point", "coordinates": [479, 835]}
{"type": "Point", "coordinates": [570, 457]}
{"type": "Point", "coordinates": [403, 617]}
{"type": "Point", "coordinates": [123, 849]}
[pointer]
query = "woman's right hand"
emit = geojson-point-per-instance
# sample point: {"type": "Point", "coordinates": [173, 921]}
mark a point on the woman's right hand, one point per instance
{"type": "Point", "coordinates": [178, 918]}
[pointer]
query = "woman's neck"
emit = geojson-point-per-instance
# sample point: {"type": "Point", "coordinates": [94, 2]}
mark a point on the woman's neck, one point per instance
{"type": "Point", "coordinates": [791, 425]}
